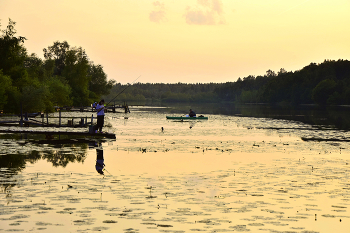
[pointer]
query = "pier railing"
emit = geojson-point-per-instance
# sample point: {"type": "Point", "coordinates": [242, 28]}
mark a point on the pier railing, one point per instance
{"type": "Point", "coordinates": [46, 120]}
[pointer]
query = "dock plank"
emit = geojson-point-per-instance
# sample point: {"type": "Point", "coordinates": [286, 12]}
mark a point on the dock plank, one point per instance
{"type": "Point", "coordinates": [71, 133]}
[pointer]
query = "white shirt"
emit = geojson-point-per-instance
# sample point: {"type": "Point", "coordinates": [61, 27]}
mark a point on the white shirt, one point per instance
{"type": "Point", "coordinates": [100, 113]}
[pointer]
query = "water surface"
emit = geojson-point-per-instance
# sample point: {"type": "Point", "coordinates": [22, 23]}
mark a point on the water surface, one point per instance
{"type": "Point", "coordinates": [228, 173]}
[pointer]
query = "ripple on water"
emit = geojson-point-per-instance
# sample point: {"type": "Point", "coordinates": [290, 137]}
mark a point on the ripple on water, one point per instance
{"type": "Point", "coordinates": [240, 228]}
{"type": "Point", "coordinates": [84, 221]}
{"type": "Point", "coordinates": [253, 196]}
{"type": "Point", "coordinates": [110, 221]}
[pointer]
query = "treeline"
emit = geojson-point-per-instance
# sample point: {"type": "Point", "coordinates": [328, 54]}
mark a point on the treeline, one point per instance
{"type": "Point", "coordinates": [65, 76]}
{"type": "Point", "coordinates": [179, 92]}
{"type": "Point", "coordinates": [327, 83]}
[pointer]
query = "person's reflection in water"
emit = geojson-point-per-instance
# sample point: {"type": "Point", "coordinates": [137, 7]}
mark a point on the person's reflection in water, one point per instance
{"type": "Point", "coordinates": [99, 161]}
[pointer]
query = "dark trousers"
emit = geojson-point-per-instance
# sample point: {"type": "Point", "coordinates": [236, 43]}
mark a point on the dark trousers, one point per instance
{"type": "Point", "coordinates": [100, 122]}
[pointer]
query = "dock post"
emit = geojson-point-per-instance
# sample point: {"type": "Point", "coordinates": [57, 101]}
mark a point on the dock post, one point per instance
{"type": "Point", "coordinates": [26, 118]}
{"type": "Point", "coordinates": [85, 121]}
{"type": "Point", "coordinates": [92, 118]}
{"type": "Point", "coordinates": [21, 121]}
{"type": "Point", "coordinates": [59, 118]}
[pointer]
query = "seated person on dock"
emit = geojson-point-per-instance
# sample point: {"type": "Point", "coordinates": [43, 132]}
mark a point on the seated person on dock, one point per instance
{"type": "Point", "coordinates": [100, 108]}
{"type": "Point", "coordinates": [192, 113]}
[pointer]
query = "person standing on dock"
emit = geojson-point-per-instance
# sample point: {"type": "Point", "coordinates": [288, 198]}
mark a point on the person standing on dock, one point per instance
{"type": "Point", "coordinates": [100, 108]}
{"type": "Point", "coordinates": [94, 105]}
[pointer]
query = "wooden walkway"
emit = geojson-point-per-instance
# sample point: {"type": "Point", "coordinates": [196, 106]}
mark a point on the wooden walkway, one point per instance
{"type": "Point", "coordinates": [52, 133]}
{"type": "Point", "coordinates": [110, 108]}
{"type": "Point", "coordinates": [26, 122]}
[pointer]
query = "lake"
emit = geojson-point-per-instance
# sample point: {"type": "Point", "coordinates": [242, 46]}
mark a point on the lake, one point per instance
{"type": "Point", "coordinates": [246, 168]}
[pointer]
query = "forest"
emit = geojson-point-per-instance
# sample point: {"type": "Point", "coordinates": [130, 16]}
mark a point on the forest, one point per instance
{"type": "Point", "coordinates": [65, 77]}
{"type": "Point", "coordinates": [327, 83]}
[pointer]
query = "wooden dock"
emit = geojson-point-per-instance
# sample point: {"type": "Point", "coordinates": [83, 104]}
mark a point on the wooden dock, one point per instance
{"type": "Point", "coordinates": [55, 121]}
{"type": "Point", "coordinates": [110, 108]}
{"type": "Point", "coordinates": [32, 119]}
{"type": "Point", "coordinates": [55, 131]}
{"type": "Point", "coordinates": [49, 134]}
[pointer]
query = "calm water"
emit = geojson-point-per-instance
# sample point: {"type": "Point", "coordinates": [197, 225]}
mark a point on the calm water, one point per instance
{"type": "Point", "coordinates": [244, 169]}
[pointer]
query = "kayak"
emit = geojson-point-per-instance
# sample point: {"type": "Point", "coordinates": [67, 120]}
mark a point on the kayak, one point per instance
{"type": "Point", "coordinates": [187, 118]}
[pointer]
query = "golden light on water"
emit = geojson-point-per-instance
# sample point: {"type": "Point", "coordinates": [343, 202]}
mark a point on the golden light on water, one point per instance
{"type": "Point", "coordinates": [224, 174]}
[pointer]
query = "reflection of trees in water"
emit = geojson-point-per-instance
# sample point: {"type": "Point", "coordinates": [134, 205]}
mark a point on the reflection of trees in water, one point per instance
{"type": "Point", "coordinates": [58, 156]}
{"type": "Point", "coordinates": [64, 154]}
{"type": "Point", "coordinates": [32, 156]}
{"type": "Point", "coordinates": [15, 163]}
{"type": "Point", "coordinates": [62, 158]}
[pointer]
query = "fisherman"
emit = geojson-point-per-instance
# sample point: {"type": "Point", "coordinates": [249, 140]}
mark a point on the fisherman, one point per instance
{"type": "Point", "coordinates": [192, 113]}
{"type": "Point", "coordinates": [100, 115]}
{"type": "Point", "coordinates": [94, 105]}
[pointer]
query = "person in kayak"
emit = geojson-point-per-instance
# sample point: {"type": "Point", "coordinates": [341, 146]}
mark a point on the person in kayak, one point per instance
{"type": "Point", "coordinates": [192, 113]}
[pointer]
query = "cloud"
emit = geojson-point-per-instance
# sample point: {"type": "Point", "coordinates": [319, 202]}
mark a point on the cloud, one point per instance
{"type": "Point", "coordinates": [199, 17]}
{"type": "Point", "coordinates": [204, 2]}
{"type": "Point", "coordinates": [207, 12]}
{"type": "Point", "coordinates": [217, 6]}
{"type": "Point", "coordinates": [158, 15]}
{"type": "Point", "coordinates": [159, 4]}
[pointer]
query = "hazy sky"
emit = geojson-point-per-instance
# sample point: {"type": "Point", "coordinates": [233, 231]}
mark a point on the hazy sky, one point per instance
{"type": "Point", "coordinates": [190, 41]}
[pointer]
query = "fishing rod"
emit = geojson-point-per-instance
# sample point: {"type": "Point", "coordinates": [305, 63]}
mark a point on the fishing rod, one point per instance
{"type": "Point", "coordinates": [123, 90]}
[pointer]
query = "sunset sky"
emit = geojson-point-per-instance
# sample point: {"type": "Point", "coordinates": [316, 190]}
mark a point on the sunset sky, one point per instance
{"type": "Point", "coordinates": [190, 41]}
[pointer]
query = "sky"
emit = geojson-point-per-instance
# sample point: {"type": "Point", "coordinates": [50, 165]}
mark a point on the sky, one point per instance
{"type": "Point", "coordinates": [188, 41]}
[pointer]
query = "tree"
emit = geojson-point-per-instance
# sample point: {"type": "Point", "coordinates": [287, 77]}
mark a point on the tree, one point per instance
{"type": "Point", "coordinates": [12, 52]}
{"type": "Point", "coordinates": [76, 73]}
{"type": "Point", "coordinates": [281, 71]}
{"type": "Point", "coordinates": [270, 73]}
{"type": "Point", "coordinates": [35, 67]}
{"type": "Point", "coordinates": [11, 48]}
{"type": "Point", "coordinates": [98, 84]}
{"type": "Point", "coordinates": [36, 99]}
{"type": "Point", "coordinates": [88, 82]}
{"type": "Point", "coordinates": [57, 52]}
{"type": "Point", "coordinates": [5, 86]}
{"type": "Point", "coordinates": [60, 91]}
{"type": "Point", "coordinates": [65, 77]}
{"type": "Point", "coordinates": [323, 91]}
